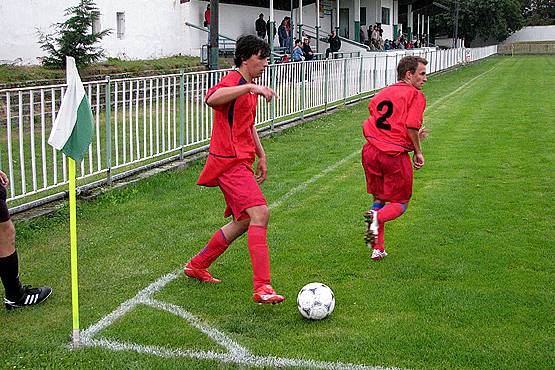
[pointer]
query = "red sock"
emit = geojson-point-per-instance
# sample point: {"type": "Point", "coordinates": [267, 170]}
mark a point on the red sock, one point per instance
{"type": "Point", "coordinates": [214, 248]}
{"type": "Point", "coordinates": [390, 212]}
{"type": "Point", "coordinates": [260, 259]}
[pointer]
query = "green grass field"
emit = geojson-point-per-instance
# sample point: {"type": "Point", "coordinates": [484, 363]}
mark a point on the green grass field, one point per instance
{"type": "Point", "coordinates": [468, 282]}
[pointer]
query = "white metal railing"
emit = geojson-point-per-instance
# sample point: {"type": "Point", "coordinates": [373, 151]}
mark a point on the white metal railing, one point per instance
{"type": "Point", "coordinates": [145, 120]}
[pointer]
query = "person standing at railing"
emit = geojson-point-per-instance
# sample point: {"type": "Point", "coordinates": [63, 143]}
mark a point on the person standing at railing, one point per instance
{"type": "Point", "coordinates": [297, 54]}
{"type": "Point", "coordinates": [307, 50]}
{"type": "Point", "coordinates": [282, 33]}
{"type": "Point", "coordinates": [335, 44]}
{"type": "Point", "coordinates": [17, 295]}
{"type": "Point", "coordinates": [260, 26]}
{"type": "Point", "coordinates": [362, 35]}
{"type": "Point", "coordinates": [234, 144]}
{"type": "Point", "coordinates": [207, 20]}
{"type": "Point", "coordinates": [393, 129]}
{"type": "Point", "coordinates": [273, 35]}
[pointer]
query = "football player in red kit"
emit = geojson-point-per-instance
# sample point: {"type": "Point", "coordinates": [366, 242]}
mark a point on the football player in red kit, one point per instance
{"type": "Point", "coordinates": [234, 145]}
{"type": "Point", "coordinates": [393, 129]}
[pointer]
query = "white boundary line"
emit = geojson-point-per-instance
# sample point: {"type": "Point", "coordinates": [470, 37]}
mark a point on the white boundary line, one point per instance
{"type": "Point", "coordinates": [237, 354]}
{"type": "Point", "coordinates": [463, 86]}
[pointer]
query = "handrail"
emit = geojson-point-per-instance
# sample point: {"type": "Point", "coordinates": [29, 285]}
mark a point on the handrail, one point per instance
{"type": "Point", "coordinates": [348, 41]}
{"type": "Point", "coordinates": [205, 29]}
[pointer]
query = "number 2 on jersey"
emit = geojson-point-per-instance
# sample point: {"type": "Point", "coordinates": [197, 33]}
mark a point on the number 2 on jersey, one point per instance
{"type": "Point", "coordinates": [380, 122]}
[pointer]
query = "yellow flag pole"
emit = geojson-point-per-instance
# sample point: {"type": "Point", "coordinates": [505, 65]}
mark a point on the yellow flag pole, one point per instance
{"type": "Point", "coordinates": [73, 246]}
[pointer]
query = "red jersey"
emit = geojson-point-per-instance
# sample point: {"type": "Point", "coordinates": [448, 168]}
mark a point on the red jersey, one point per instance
{"type": "Point", "coordinates": [207, 17]}
{"type": "Point", "coordinates": [231, 141]}
{"type": "Point", "coordinates": [393, 111]}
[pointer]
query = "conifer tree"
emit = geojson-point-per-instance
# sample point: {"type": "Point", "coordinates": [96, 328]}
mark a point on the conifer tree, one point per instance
{"type": "Point", "coordinates": [74, 37]}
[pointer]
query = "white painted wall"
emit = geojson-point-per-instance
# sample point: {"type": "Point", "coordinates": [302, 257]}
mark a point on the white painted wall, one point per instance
{"type": "Point", "coordinates": [152, 28]}
{"type": "Point", "coordinates": [535, 33]}
{"type": "Point", "coordinates": [18, 23]}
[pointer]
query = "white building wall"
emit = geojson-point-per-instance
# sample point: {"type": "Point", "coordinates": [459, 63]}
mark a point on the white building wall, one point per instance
{"type": "Point", "coordinates": [156, 29]}
{"type": "Point", "coordinates": [18, 23]}
{"type": "Point", "coordinates": [152, 28]}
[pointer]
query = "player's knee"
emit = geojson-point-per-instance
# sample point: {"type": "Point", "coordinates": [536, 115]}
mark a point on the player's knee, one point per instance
{"type": "Point", "coordinates": [404, 206]}
{"type": "Point", "coordinates": [260, 215]}
{"type": "Point", "coordinates": [7, 235]}
{"type": "Point", "coordinates": [243, 225]}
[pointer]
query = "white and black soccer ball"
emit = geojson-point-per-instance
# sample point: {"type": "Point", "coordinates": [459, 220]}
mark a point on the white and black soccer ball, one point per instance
{"type": "Point", "coordinates": [315, 301]}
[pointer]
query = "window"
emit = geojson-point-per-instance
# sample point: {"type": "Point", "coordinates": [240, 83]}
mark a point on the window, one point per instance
{"type": "Point", "coordinates": [120, 20]}
{"type": "Point", "coordinates": [385, 16]}
{"type": "Point", "coordinates": [96, 23]}
{"type": "Point", "coordinates": [363, 16]}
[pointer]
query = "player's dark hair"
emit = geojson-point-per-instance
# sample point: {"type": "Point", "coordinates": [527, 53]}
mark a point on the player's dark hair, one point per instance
{"type": "Point", "coordinates": [409, 63]}
{"type": "Point", "coordinates": [250, 45]}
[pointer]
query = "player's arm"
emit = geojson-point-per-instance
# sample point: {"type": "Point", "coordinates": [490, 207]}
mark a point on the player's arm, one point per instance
{"type": "Point", "coordinates": [226, 95]}
{"type": "Point", "coordinates": [418, 157]}
{"type": "Point", "coordinates": [261, 166]}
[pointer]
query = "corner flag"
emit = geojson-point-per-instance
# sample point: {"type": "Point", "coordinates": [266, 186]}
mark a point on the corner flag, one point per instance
{"type": "Point", "coordinates": [72, 134]}
{"type": "Point", "coordinates": [73, 128]}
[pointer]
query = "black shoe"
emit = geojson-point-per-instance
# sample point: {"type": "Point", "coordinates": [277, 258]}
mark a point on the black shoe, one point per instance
{"type": "Point", "coordinates": [30, 297]}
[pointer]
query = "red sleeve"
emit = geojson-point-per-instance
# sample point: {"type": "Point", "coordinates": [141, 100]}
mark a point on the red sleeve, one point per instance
{"type": "Point", "coordinates": [227, 81]}
{"type": "Point", "coordinates": [416, 111]}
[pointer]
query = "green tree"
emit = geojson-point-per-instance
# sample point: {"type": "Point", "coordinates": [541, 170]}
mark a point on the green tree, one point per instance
{"type": "Point", "coordinates": [74, 37]}
{"type": "Point", "coordinates": [539, 12]}
{"type": "Point", "coordinates": [487, 19]}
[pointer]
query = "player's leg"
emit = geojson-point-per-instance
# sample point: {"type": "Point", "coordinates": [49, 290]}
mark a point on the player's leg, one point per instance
{"type": "Point", "coordinates": [260, 258]}
{"type": "Point", "coordinates": [220, 241]}
{"type": "Point", "coordinates": [371, 234]}
{"type": "Point", "coordinates": [374, 185]}
{"type": "Point", "coordinates": [16, 295]}
{"type": "Point", "coordinates": [397, 191]}
{"type": "Point", "coordinates": [231, 185]}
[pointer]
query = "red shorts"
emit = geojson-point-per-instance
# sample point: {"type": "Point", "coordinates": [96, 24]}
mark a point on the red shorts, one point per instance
{"type": "Point", "coordinates": [241, 191]}
{"type": "Point", "coordinates": [388, 177]}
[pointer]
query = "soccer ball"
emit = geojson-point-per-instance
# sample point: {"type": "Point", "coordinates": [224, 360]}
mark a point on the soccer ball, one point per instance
{"type": "Point", "coordinates": [315, 301]}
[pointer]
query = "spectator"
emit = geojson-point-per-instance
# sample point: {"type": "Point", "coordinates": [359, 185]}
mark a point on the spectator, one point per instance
{"type": "Point", "coordinates": [289, 38]}
{"type": "Point", "coordinates": [207, 16]}
{"type": "Point", "coordinates": [362, 35]}
{"type": "Point", "coordinates": [335, 44]}
{"type": "Point", "coordinates": [374, 38]}
{"type": "Point", "coordinates": [297, 54]}
{"type": "Point", "coordinates": [387, 45]}
{"type": "Point", "coordinates": [260, 26]}
{"type": "Point", "coordinates": [307, 50]}
{"type": "Point", "coordinates": [268, 30]}
{"type": "Point", "coordinates": [207, 20]}
{"type": "Point", "coordinates": [282, 33]}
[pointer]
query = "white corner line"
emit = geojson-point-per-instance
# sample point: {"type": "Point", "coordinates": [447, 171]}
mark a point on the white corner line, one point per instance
{"type": "Point", "coordinates": [129, 304]}
{"type": "Point", "coordinates": [238, 354]}
{"type": "Point", "coordinates": [217, 336]}
{"type": "Point", "coordinates": [246, 360]}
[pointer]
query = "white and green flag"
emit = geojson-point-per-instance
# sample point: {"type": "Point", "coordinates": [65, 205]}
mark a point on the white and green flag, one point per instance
{"type": "Point", "coordinates": [73, 128]}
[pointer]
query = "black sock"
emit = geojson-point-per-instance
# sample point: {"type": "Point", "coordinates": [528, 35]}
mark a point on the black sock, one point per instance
{"type": "Point", "coordinates": [9, 273]}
